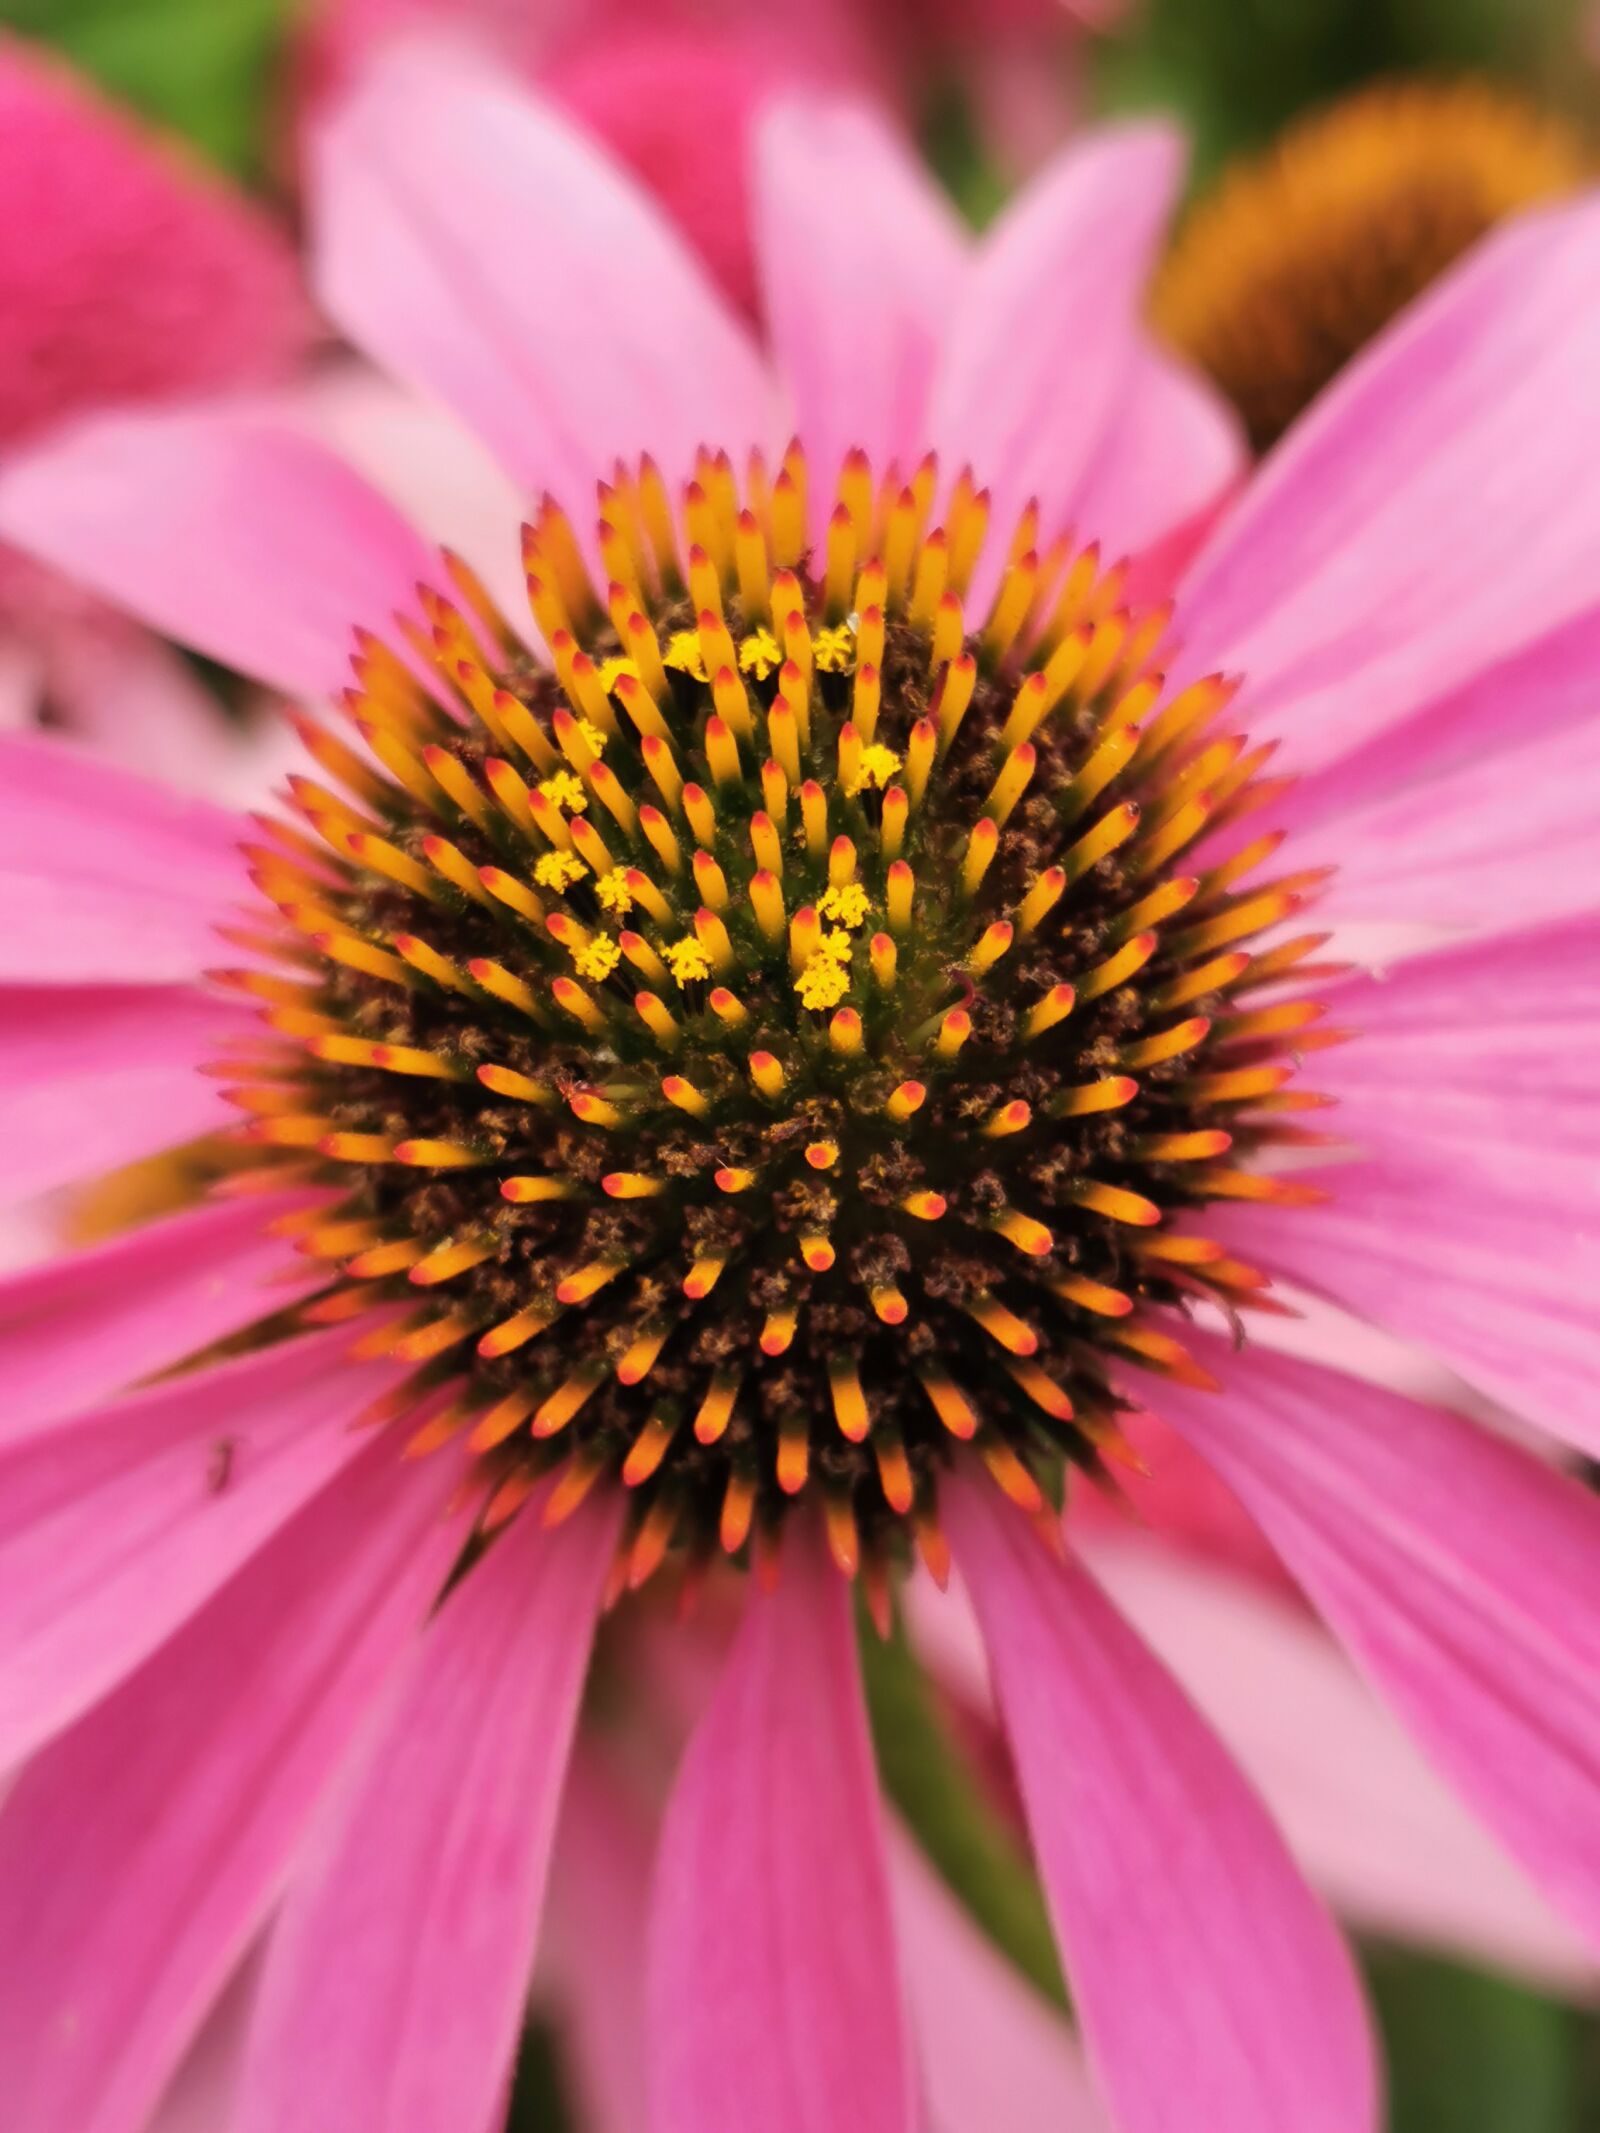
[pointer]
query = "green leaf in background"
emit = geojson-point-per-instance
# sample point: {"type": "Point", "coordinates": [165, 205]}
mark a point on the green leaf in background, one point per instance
{"type": "Point", "coordinates": [1470, 2053]}
{"type": "Point", "coordinates": [206, 69]}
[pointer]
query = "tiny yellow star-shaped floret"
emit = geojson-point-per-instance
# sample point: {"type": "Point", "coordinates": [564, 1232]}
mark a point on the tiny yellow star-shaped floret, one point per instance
{"type": "Point", "coordinates": [683, 651]}
{"type": "Point", "coordinates": [687, 960]}
{"type": "Point", "coordinates": [597, 958]}
{"type": "Point", "coordinates": [835, 650]}
{"type": "Point", "coordinates": [877, 766]}
{"type": "Point", "coordinates": [845, 905]}
{"type": "Point", "coordinates": [558, 870]}
{"type": "Point", "coordinates": [760, 655]}
{"type": "Point", "coordinates": [823, 982]}
{"type": "Point", "coordinates": [614, 893]}
{"type": "Point", "coordinates": [562, 789]}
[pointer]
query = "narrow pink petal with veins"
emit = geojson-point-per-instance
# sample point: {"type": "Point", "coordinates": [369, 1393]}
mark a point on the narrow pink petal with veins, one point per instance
{"type": "Point", "coordinates": [1470, 1222]}
{"type": "Point", "coordinates": [594, 1942]}
{"type": "Point", "coordinates": [139, 1854]}
{"type": "Point", "coordinates": [477, 244]}
{"type": "Point", "coordinates": [116, 1526]}
{"type": "Point", "coordinates": [1464, 1575]}
{"type": "Point", "coordinates": [1375, 1828]}
{"type": "Point", "coordinates": [78, 1328]}
{"type": "Point", "coordinates": [863, 266]}
{"type": "Point", "coordinates": [1211, 1988]}
{"type": "Point", "coordinates": [224, 528]}
{"type": "Point", "coordinates": [1024, 391]}
{"type": "Point", "coordinates": [1353, 585]}
{"type": "Point", "coordinates": [774, 1996]}
{"type": "Point", "coordinates": [93, 1076]}
{"type": "Point", "coordinates": [399, 1967]}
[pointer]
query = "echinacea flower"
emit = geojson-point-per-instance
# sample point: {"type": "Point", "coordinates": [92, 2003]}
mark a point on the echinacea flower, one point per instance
{"type": "Point", "coordinates": [126, 275]}
{"type": "Point", "coordinates": [762, 1074]}
{"type": "Point", "coordinates": [1298, 258]}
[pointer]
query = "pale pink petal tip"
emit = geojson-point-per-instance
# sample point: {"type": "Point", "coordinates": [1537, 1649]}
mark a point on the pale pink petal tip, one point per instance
{"type": "Point", "coordinates": [1212, 1989]}
{"type": "Point", "coordinates": [773, 1991]}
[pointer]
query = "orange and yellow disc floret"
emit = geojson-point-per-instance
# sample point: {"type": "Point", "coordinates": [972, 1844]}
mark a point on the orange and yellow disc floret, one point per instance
{"type": "Point", "coordinates": [775, 1049]}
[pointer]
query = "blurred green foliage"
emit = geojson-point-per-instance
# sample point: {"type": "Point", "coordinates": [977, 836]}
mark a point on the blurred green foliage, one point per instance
{"type": "Point", "coordinates": [207, 69]}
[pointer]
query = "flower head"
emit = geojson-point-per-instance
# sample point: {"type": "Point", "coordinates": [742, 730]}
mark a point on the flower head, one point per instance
{"type": "Point", "coordinates": [837, 1196]}
{"type": "Point", "coordinates": [1296, 261]}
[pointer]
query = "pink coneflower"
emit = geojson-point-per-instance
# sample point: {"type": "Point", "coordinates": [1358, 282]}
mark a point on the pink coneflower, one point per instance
{"type": "Point", "coordinates": [768, 1077]}
{"type": "Point", "coordinates": [126, 274]}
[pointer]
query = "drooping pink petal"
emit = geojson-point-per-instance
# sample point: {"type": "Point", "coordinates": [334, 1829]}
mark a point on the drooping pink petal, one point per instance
{"type": "Point", "coordinates": [199, 2097]}
{"type": "Point", "coordinates": [1044, 345]}
{"type": "Point", "coordinates": [1505, 840]}
{"type": "Point", "coordinates": [774, 1996]}
{"type": "Point", "coordinates": [1470, 1223]}
{"type": "Point", "coordinates": [477, 244]}
{"type": "Point", "coordinates": [1421, 522]}
{"type": "Point", "coordinates": [126, 271]}
{"type": "Point", "coordinates": [66, 810]}
{"type": "Point", "coordinates": [222, 527]}
{"type": "Point", "coordinates": [140, 704]}
{"type": "Point", "coordinates": [991, 2051]}
{"type": "Point", "coordinates": [141, 1851]}
{"type": "Point", "coordinates": [94, 1076]}
{"type": "Point", "coordinates": [1463, 1574]}
{"type": "Point", "coordinates": [862, 264]}
{"type": "Point", "coordinates": [1211, 1988]}
{"type": "Point", "coordinates": [78, 1328]}
{"type": "Point", "coordinates": [1372, 1824]}
{"type": "Point", "coordinates": [1173, 451]}
{"type": "Point", "coordinates": [116, 1526]}
{"type": "Point", "coordinates": [594, 1941]}
{"type": "Point", "coordinates": [399, 1967]}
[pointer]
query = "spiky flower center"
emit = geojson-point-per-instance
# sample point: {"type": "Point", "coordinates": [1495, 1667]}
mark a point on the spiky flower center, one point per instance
{"type": "Point", "coordinates": [1297, 260]}
{"type": "Point", "coordinates": [776, 1046]}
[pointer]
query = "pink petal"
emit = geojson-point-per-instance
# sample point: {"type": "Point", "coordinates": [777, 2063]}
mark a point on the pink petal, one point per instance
{"type": "Point", "coordinates": [1464, 1575]}
{"type": "Point", "coordinates": [1173, 451]}
{"type": "Point", "coordinates": [224, 528]}
{"type": "Point", "coordinates": [78, 1328]}
{"type": "Point", "coordinates": [774, 1996]}
{"type": "Point", "coordinates": [1470, 1224]}
{"type": "Point", "coordinates": [117, 1526]}
{"type": "Point", "coordinates": [489, 254]}
{"type": "Point", "coordinates": [991, 2051]}
{"type": "Point", "coordinates": [594, 1941]}
{"type": "Point", "coordinates": [1211, 1988]}
{"type": "Point", "coordinates": [400, 1965]}
{"type": "Point", "coordinates": [1422, 521]}
{"type": "Point", "coordinates": [1376, 1830]}
{"type": "Point", "coordinates": [199, 2097]}
{"type": "Point", "coordinates": [862, 264]}
{"type": "Point", "coordinates": [94, 1077]}
{"type": "Point", "coordinates": [67, 810]}
{"type": "Point", "coordinates": [126, 270]}
{"type": "Point", "coordinates": [1042, 349]}
{"type": "Point", "coordinates": [140, 1853]}
{"type": "Point", "coordinates": [1508, 839]}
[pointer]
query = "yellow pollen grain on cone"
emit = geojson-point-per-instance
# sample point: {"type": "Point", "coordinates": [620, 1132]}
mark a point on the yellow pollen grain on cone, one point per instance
{"type": "Point", "coordinates": [823, 982]}
{"type": "Point", "coordinates": [683, 652]}
{"type": "Point", "coordinates": [875, 771]}
{"type": "Point", "coordinates": [846, 905]}
{"type": "Point", "coordinates": [834, 649]}
{"type": "Point", "coordinates": [598, 958]}
{"type": "Point", "coordinates": [687, 961]}
{"type": "Point", "coordinates": [564, 790]}
{"type": "Point", "coordinates": [613, 892]}
{"type": "Point", "coordinates": [558, 870]}
{"type": "Point", "coordinates": [760, 654]}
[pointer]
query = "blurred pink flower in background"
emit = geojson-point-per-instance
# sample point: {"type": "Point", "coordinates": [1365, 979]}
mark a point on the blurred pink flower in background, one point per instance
{"type": "Point", "coordinates": [263, 1666]}
{"type": "Point", "coordinates": [672, 87]}
{"type": "Point", "coordinates": [127, 274]}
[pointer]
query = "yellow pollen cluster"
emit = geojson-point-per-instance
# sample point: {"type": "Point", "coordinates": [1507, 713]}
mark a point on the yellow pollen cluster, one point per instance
{"type": "Point", "coordinates": [846, 905]}
{"type": "Point", "coordinates": [759, 654]}
{"type": "Point", "coordinates": [875, 770]}
{"type": "Point", "coordinates": [825, 979]}
{"type": "Point", "coordinates": [611, 672]}
{"type": "Point", "coordinates": [683, 652]}
{"type": "Point", "coordinates": [562, 789]}
{"type": "Point", "coordinates": [687, 960]}
{"type": "Point", "coordinates": [614, 893]}
{"type": "Point", "coordinates": [558, 871]}
{"type": "Point", "coordinates": [835, 651]}
{"type": "Point", "coordinates": [597, 958]}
